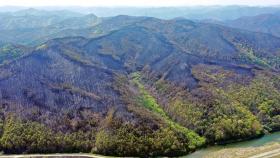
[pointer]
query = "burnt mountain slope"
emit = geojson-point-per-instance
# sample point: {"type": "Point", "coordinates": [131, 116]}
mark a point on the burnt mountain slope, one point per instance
{"type": "Point", "coordinates": [148, 87]}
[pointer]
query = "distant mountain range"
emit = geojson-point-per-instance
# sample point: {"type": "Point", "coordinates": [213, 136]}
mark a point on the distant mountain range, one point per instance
{"type": "Point", "coordinates": [32, 18]}
{"type": "Point", "coordinates": [134, 86]}
{"type": "Point", "coordinates": [28, 26]}
{"type": "Point", "coordinates": [266, 23]}
{"type": "Point", "coordinates": [191, 12]}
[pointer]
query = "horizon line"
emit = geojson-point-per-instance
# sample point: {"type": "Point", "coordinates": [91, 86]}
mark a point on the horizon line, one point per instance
{"type": "Point", "coordinates": [143, 6]}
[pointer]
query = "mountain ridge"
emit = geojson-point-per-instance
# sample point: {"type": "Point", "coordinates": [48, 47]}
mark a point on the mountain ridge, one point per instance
{"type": "Point", "coordinates": [142, 86]}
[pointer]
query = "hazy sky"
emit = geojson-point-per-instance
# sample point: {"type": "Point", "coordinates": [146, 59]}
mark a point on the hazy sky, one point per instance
{"type": "Point", "coordinates": [135, 2]}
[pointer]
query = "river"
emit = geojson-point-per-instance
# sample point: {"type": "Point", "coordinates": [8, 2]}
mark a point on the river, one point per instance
{"type": "Point", "coordinates": [269, 138]}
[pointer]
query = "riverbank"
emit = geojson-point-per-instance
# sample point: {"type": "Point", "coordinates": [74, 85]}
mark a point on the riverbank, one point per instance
{"type": "Point", "coordinates": [266, 151]}
{"type": "Point", "coordinates": [267, 139]}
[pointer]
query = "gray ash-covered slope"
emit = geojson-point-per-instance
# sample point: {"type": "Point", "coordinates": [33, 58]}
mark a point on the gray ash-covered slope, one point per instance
{"type": "Point", "coordinates": [185, 43]}
{"type": "Point", "coordinates": [87, 66]}
{"type": "Point", "coordinates": [73, 72]}
{"type": "Point", "coordinates": [51, 79]}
